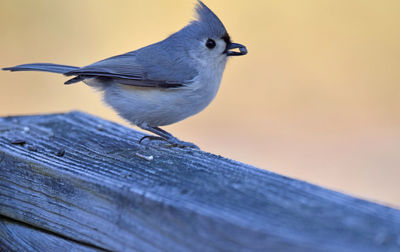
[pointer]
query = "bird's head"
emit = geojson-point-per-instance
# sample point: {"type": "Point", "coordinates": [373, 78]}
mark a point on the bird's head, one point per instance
{"type": "Point", "coordinates": [206, 37]}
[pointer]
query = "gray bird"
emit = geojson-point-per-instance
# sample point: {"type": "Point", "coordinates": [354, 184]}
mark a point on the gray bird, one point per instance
{"type": "Point", "coordinates": [162, 83]}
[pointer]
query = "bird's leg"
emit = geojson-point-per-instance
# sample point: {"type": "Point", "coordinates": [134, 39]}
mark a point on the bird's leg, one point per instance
{"type": "Point", "coordinates": [164, 135]}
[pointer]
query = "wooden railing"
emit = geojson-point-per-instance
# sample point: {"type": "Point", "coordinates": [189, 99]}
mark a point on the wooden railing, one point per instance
{"type": "Point", "coordinates": [74, 182]}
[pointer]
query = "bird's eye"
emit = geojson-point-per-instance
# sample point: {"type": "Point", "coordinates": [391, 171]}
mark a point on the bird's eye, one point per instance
{"type": "Point", "coordinates": [210, 44]}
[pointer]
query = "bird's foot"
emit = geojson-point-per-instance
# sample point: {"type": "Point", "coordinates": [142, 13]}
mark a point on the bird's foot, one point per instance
{"type": "Point", "coordinates": [173, 142]}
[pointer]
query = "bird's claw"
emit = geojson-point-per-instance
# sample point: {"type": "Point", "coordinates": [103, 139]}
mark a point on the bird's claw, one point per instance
{"type": "Point", "coordinates": [151, 138]}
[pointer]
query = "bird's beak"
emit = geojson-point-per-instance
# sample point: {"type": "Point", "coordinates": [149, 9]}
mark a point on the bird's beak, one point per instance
{"type": "Point", "coordinates": [231, 46]}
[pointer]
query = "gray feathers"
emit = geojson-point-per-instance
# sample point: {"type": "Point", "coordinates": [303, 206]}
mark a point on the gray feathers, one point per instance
{"type": "Point", "coordinates": [164, 64]}
{"type": "Point", "coordinates": [157, 68]}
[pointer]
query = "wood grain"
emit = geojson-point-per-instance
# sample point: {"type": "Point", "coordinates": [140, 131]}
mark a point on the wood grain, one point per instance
{"type": "Point", "coordinates": [100, 192]}
{"type": "Point", "coordinates": [16, 236]}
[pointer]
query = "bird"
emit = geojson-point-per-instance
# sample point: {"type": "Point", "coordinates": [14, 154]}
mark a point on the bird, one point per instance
{"type": "Point", "coordinates": [164, 82]}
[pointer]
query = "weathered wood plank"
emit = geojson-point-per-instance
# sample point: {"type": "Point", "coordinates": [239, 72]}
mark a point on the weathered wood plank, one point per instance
{"type": "Point", "coordinates": [15, 236]}
{"type": "Point", "coordinates": [100, 192]}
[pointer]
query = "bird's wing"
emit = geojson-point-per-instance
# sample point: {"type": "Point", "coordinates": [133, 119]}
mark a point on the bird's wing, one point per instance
{"type": "Point", "coordinates": [152, 71]}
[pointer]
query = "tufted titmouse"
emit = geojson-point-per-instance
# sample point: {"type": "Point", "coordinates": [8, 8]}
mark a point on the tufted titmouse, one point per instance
{"type": "Point", "coordinates": [162, 83]}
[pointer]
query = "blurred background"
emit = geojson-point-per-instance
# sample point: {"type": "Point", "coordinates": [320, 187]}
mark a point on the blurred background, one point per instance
{"type": "Point", "coordinates": [317, 98]}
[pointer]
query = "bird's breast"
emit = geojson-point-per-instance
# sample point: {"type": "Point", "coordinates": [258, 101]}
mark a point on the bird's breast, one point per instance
{"type": "Point", "coordinates": [205, 86]}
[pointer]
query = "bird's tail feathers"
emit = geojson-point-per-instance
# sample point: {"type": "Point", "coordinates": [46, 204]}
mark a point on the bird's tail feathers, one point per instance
{"type": "Point", "coordinates": [45, 67]}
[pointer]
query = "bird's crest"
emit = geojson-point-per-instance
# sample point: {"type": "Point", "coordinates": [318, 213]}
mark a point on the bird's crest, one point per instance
{"type": "Point", "coordinates": [207, 19]}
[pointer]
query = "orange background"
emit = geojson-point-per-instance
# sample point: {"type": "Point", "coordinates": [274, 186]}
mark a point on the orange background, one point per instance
{"type": "Point", "coordinates": [316, 98]}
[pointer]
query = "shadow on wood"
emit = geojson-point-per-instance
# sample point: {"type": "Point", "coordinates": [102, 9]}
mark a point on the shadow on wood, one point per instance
{"type": "Point", "coordinates": [82, 181]}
